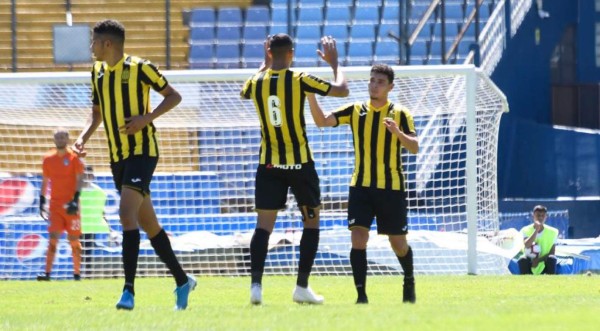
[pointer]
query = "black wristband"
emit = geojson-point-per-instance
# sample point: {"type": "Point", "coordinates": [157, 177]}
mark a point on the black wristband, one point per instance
{"type": "Point", "coordinates": [42, 199]}
{"type": "Point", "coordinates": [76, 196]}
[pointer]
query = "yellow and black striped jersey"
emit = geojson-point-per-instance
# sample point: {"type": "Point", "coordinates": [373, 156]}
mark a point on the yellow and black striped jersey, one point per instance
{"type": "Point", "coordinates": [377, 159]}
{"type": "Point", "coordinates": [279, 97]}
{"type": "Point", "coordinates": [123, 91]}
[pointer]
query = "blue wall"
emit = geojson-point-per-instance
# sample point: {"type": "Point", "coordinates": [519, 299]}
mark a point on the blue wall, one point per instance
{"type": "Point", "coordinates": [537, 161]}
{"type": "Point", "coordinates": [587, 71]}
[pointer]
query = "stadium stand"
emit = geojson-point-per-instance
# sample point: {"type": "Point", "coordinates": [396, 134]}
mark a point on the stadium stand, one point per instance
{"type": "Point", "coordinates": [254, 33]}
{"type": "Point", "coordinates": [229, 17]}
{"type": "Point", "coordinates": [229, 34]}
{"type": "Point", "coordinates": [387, 51]}
{"type": "Point", "coordinates": [360, 53]}
{"type": "Point", "coordinates": [227, 55]}
{"type": "Point", "coordinates": [34, 39]}
{"type": "Point", "coordinates": [308, 33]}
{"type": "Point", "coordinates": [305, 54]}
{"type": "Point", "coordinates": [253, 55]}
{"type": "Point", "coordinates": [338, 31]}
{"type": "Point", "coordinates": [35, 19]}
{"type": "Point", "coordinates": [201, 56]}
{"type": "Point", "coordinates": [203, 17]}
{"type": "Point", "coordinates": [310, 15]}
{"type": "Point", "coordinates": [338, 15]}
{"type": "Point", "coordinates": [349, 22]}
{"type": "Point", "coordinates": [257, 16]}
{"type": "Point", "coordinates": [202, 35]}
{"type": "Point", "coordinates": [362, 32]}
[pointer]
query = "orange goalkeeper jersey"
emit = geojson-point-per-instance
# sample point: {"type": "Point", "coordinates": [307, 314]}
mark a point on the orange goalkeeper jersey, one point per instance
{"type": "Point", "coordinates": [62, 172]}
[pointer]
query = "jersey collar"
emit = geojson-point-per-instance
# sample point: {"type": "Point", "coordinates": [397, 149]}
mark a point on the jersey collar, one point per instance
{"type": "Point", "coordinates": [118, 64]}
{"type": "Point", "coordinates": [384, 107]}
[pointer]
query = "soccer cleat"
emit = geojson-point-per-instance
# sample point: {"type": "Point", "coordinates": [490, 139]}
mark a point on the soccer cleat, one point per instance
{"type": "Point", "coordinates": [182, 293]}
{"type": "Point", "coordinates": [255, 294]}
{"type": "Point", "coordinates": [43, 277]}
{"type": "Point", "coordinates": [306, 295]}
{"type": "Point", "coordinates": [408, 291]}
{"type": "Point", "coordinates": [76, 277]}
{"type": "Point", "coordinates": [126, 301]}
{"type": "Point", "coordinates": [362, 300]}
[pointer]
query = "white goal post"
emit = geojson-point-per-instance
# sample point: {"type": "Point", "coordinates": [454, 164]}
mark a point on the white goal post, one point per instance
{"type": "Point", "coordinates": [203, 189]}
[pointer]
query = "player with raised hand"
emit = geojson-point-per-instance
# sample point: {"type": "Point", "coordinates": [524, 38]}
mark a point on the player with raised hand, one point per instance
{"type": "Point", "coordinates": [285, 158]}
{"type": "Point", "coordinates": [380, 130]}
{"type": "Point", "coordinates": [121, 86]}
{"type": "Point", "coordinates": [62, 177]}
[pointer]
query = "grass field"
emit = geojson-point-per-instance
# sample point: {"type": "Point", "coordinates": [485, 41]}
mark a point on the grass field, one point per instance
{"type": "Point", "coordinates": [222, 303]}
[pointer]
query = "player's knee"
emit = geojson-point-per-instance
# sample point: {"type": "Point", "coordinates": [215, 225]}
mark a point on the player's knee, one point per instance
{"type": "Point", "coordinates": [52, 244]}
{"type": "Point", "coordinates": [75, 245]}
{"type": "Point", "coordinates": [399, 246]}
{"type": "Point", "coordinates": [360, 237]}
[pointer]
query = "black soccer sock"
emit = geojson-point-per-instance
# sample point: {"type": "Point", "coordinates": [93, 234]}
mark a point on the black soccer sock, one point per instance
{"type": "Point", "coordinates": [358, 261]}
{"type": "Point", "coordinates": [130, 253]}
{"type": "Point", "coordinates": [162, 247]}
{"type": "Point", "coordinates": [406, 262]}
{"type": "Point", "coordinates": [309, 244]}
{"type": "Point", "coordinates": [259, 246]}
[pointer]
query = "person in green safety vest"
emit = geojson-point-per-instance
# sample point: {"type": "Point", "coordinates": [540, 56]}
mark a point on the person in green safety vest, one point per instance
{"type": "Point", "coordinates": [539, 245]}
{"type": "Point", "coordinates": [92, 202]}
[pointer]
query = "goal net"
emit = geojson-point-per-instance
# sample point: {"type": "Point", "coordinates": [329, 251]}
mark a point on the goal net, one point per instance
{"type": "Point", "coordinates": [203, 188]}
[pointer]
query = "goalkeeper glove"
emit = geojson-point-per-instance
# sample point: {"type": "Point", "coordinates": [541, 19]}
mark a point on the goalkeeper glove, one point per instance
{"type": "Point", "coordinates": [73, 205]}
{"type": "Point", "coordinates": [43, 212]}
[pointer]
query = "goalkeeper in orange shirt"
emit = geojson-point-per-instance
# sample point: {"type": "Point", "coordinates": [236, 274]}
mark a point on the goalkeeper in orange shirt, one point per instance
{"type": "Point", "coordinates": [63, 178]}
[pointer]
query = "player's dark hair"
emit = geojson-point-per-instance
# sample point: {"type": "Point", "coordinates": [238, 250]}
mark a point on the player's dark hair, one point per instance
{"type": "Point", "coordinates": [111, 28]}
{"type": "Point", "coordinates": [280, 44]}
{"type": "Point", "coordinates": [381, 68]}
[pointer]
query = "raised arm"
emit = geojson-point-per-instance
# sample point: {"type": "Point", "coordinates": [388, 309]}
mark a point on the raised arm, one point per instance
{"type": "Point", "coordinates": [339, 85]}
{"type": "Point", "coordinates": [321, 119]}
{"type": "Point", "coordinates": [268, 60]}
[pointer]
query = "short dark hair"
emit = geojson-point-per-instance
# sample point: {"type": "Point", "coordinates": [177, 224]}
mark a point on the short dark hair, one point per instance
{"type": "Point", "coordinates": [111, 28]}
{"type": "Point", "coordinates": [280, 43]}
{"type": "Point", "coordinates": [540, 208]}
{"type": "Point", "coordinates": [382, 68]}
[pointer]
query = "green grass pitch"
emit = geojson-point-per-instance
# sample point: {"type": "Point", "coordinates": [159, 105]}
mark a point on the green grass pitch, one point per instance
{"type": "Point", "coordinates": [222, 303]}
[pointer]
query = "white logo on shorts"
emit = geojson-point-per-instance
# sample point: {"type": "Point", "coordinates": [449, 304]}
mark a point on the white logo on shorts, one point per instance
{"type": "Point", "coordinates": [136, 180]}
{"type": "Point", "coordinates": [351, 221]}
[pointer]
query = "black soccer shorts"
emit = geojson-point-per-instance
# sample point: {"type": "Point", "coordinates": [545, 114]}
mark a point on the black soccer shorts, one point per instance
{"type": "Point", "coordinates": [134, 172]}
{"type": "Point", "coordinates": [273, 182]}
{"type": "Point", "coordinates": [389, 207]}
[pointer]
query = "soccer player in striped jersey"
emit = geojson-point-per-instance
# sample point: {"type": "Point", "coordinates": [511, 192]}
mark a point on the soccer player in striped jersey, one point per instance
{"type": "Point", "coordinates": [62, 177]}
{"type": "Point", "coordinates": [380, 129]}
{"type": "Point", "coordinates": [121, 86]}
{"type": "Point", "coordinates": [285, 158]}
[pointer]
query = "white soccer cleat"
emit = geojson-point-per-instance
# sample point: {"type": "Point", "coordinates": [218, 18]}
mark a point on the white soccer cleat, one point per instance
{"type": "Point", "coordinates": [306, 295]}
{"type": "Point", "coordinates": [256, 294]}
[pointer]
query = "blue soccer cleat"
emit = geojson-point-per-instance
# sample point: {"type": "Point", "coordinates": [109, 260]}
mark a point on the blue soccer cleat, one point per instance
{"type": "Point", "coordinates": [183, 292]}
{"type": "Point", "coordinates": [126, 301]}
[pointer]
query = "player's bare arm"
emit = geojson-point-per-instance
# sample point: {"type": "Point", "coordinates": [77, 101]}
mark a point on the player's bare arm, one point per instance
{"type": "Point", "coordinates": [339, 86]}
{"type": "Point", "coordinates": [409, 141]}
{"type": "Point", "coordinates": [136, 123]}
{"type": "Point", "coordinates": [321, 119]}
{"type": "Point", "coordinates": [91, 125]}
{"type": "Point", "coordinates": [268, 59]}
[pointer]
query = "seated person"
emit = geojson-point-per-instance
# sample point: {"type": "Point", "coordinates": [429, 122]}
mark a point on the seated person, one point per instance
{"type": "Point", "coordinates": [539, 245]}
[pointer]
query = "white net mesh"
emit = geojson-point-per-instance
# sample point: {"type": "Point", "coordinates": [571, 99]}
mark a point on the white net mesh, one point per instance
{"type": "Point", "coordinates": [203, 189]}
